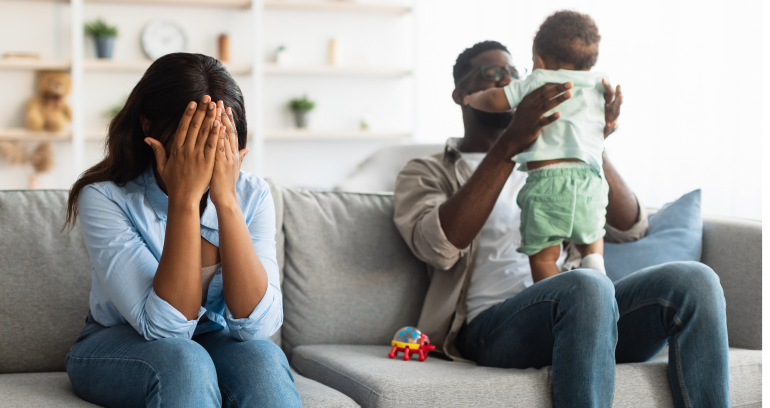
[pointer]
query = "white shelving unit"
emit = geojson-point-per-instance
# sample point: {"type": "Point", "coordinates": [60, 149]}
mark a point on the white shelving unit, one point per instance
{"type": "Point", "coordinates": [79, 66]}
{"type": "Point", "coordinates": [304, 134]}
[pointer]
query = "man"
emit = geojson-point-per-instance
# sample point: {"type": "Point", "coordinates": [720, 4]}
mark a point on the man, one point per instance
{"type": "Point", "coordinates": [457, 212]}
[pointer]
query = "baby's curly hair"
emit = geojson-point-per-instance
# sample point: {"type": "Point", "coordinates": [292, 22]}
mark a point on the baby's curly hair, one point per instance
{"type": "Point", "coordinates": [569, 37]}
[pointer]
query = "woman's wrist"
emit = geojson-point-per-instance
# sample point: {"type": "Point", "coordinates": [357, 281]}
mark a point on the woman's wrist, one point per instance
{"type": "Point", "coordinates": [227, 207]}
{"type": "Point", "coordinates": [183, 205]}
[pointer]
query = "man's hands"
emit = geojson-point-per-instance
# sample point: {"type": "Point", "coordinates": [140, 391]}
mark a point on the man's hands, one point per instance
{"type": "Point", "coordinates": [613, 100]}
{"type": "Point", "coordinates": [187, 170]}
{"type": "Point", "coordinates": [228, 161]}
{"type": "Point", "coordinates": [528, 119]}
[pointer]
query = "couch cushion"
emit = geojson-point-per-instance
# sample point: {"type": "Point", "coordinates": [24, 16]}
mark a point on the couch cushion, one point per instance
{"type": "Point", "coordinates": [313, 394]}
{"type": "Point", "coordinates": [45, 279]}
{"type": "Point", "coordinates": [367, 375]}
{"type": "Point", "coordinates": [349, 277]}
{"type": "Point", "coordinates": [41, 390]}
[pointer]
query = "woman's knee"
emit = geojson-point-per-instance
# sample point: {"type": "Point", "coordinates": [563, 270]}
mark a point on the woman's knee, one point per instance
{"type": "Point", "coordinates": [263, 355]}
{"type": "Point", "coordinates": [186, 359]}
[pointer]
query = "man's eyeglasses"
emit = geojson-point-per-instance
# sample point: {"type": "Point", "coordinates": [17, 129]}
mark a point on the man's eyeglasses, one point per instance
{"type": "Point", "coordinates": [491, 72]}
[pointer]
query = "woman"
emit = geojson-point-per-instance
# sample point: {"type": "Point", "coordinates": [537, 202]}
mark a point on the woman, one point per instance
{"type": "Point", "coordinates": [185, 290]}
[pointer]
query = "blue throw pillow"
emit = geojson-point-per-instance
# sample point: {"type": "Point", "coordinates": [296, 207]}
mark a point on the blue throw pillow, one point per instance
{"type": "Point", "coordinates": [675, 234]}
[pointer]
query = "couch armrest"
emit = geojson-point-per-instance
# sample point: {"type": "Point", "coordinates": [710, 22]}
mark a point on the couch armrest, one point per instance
{"type": "Point", "coordinates": [733, 249]}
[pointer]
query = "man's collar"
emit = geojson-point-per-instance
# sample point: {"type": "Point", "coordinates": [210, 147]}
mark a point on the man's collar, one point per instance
{"type": "Point", "coordinates": [451, 149]}
{"type": "Point", "coordinates": [159, 201]}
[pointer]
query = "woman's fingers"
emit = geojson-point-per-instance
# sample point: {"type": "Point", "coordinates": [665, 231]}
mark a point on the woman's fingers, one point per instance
{"type": "Point", "coordinates": [212, 141]}
{"type": "Point", "coordinates": [184, 124]}
{"type": "Point", "coordinates": [227, 145]}
{"type": "Point", "coordinates": [196, 122]}
{"type": "Point", "coordinates": [159, 151]}
{"type": "Point", "coordinates": [206, 126]}
{"type": "Point", "coordinates": [221, 151]}
{"type": "Point", "coordinates": [232, 135]}
{"type": "Point", "coordinates": [232, 120]}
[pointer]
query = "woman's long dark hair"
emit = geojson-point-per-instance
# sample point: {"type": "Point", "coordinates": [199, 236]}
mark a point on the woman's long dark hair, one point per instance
{"type": "Point", "coordinates": [161, 96]}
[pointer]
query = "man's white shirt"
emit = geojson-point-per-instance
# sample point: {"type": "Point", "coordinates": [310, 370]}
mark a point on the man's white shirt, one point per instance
{"type": "Point", "coordinates": [500, 272]}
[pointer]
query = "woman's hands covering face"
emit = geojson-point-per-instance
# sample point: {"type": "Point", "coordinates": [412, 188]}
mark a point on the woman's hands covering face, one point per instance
{"type": "Point", "coordinates": [187, 169]}
{"type": "Point", "coordinates": [228, 161]}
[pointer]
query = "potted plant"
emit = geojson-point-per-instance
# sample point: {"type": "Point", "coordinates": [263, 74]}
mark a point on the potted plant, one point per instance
{"type": "Point", "coordinates": [104, 36]}
{"type": "Point", "coordinates": [300, 107]}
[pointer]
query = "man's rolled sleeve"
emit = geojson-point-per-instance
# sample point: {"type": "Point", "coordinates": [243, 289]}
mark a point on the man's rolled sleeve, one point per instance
{"type": "Point", "coordinates": [636, 232]}
{"type": "Point", "coordinates": [417, 197]}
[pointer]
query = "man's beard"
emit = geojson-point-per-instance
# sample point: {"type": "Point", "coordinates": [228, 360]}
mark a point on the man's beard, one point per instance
{"type": "Point", "coordinates": [494, 120]}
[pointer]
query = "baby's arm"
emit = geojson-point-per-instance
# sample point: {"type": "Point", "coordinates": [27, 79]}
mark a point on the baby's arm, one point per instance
{"type": "Point", "coordinates": [490, 100]}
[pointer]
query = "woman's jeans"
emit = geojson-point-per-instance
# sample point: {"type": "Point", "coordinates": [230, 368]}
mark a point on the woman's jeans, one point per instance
{"type": "Point", "coordinates": [581, 323]}
{"type": "Point", "coordinates": [117, 367]}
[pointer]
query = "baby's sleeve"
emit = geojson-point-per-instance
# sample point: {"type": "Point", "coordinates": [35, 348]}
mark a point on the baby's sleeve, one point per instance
{"type": "Point", "coordinates": [513, 93]}
{"type": "Point", "coordinates": [517, 90]}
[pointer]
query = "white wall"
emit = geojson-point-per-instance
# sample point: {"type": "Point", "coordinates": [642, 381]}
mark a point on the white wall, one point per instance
{"type": "Point", "coordinates": [365, 40]}
{"type": "Point", "coordinates": [690, 73]}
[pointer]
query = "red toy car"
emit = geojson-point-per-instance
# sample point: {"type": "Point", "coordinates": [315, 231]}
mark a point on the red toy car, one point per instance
{"type": "Point", "coordinates": [410, 341]}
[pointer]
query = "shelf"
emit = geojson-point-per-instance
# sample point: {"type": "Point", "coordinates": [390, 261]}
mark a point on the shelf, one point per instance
{"type": "Point", "coordinates": [33, 64]}
{"type": "Point", "coordinates": [309, 134]}
{"type": "Point", "coordinates": [108, 65]}
{"type": "Point", "coordinates": [244, 4]}
{"type": "Point", "coordinates": [335, 6]}
{"type": "Point", "coordinates": [22, 134]}
{"type": "Point", "coordinates": [345, 6]}
{"type": "Point", "coordinates": [327, 70]}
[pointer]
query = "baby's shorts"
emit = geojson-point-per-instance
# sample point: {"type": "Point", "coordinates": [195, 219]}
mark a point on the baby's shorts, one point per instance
{"type": "Point", "coordinates": [562, 203]}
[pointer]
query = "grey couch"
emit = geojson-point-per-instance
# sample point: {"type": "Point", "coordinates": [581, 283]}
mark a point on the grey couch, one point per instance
{"type": "Point", "coordinates": [349, 283]}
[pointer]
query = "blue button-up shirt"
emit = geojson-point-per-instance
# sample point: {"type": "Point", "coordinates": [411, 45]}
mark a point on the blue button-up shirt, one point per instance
{"type": "Point", "coordinates": [124, 229]}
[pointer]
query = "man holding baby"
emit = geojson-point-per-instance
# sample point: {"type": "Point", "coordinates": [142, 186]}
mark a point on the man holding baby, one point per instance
{"type": "Point", "coordinates": [493, 304]}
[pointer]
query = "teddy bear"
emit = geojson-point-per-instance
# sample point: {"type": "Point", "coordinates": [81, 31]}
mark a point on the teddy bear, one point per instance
{"type": "Point", "coordinates": [47, 110]}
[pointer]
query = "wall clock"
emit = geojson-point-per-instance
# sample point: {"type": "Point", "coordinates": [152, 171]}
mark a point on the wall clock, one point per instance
{"type": "Point", "coordinates": [162, 37]}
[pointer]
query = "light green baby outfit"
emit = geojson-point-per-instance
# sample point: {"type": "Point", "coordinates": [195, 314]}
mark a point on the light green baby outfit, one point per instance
{"type": "Point", "coordinates": [566, 200]}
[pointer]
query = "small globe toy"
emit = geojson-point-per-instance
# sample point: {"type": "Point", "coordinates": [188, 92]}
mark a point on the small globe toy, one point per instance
{"type": "Point", "coordinates": [410, 340]}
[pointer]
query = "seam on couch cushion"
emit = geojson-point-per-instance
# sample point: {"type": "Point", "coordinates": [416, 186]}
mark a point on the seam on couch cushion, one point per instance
{"type": "Point", "coordinates": [342, 374]}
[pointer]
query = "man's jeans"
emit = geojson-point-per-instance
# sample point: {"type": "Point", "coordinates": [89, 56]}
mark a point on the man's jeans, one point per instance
{"type": "Point", "coordinates": [573, 322]}
{"type": "Point", "coordinates": [116, 367]}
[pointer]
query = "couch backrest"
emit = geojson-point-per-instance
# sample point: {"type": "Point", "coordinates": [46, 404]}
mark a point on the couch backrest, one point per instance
{"type": "Point", "coordinates": [732, 247]}
{"type": "Point", "coordinates": [45, 279]}
{"type": "Point", "coordinates": [349, 278]}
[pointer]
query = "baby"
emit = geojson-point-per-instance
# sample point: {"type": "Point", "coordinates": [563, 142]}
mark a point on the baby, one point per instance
{"type": "Point", "coordinates": [566, 194]}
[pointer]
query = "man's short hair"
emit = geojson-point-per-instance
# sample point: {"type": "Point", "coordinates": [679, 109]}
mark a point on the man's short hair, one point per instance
{"type": "Point", "coordinates": [569, 37]}
{"type": "Point", "coordinates": [463, 63]}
